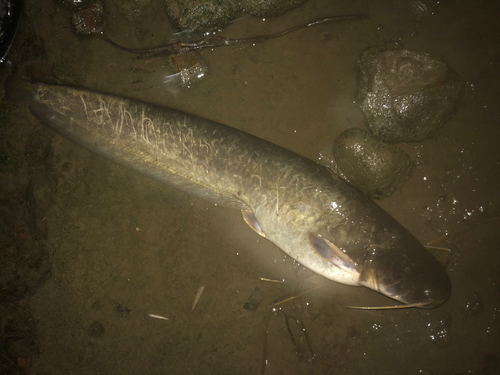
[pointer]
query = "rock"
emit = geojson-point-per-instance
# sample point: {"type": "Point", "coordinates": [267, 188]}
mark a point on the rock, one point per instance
{"type": "Point", "coordinates": [189, 71]}
{"type": "Point", "coordinates": [206, 14]}
{"type": "Point", "coordinates": [202, 14]}
{"type": "Point", "coordinates": [405, 96]}
{"type": "Point", "coordinates": [376, 168]}
{"type": "Point", "coordinates": [253, 302]}
{"type": "Point", "coordinates": [89, 20]}
{"type": "Point", "coordinates": [265, 8]}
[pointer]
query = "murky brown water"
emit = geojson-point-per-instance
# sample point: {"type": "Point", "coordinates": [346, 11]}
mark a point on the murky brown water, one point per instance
{"type": "Point", "coordinates": [124, 246]}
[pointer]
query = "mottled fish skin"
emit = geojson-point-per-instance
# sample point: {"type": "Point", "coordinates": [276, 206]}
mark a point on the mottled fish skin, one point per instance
{"type": "Point", "coordinates": [311, 214]}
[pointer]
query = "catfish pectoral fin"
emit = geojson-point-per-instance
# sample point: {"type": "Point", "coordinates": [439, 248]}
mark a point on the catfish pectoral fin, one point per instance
{"type": "Point", "coordinates": [331, 253]}
{"type": "Point", "coordinates": [252, 222]}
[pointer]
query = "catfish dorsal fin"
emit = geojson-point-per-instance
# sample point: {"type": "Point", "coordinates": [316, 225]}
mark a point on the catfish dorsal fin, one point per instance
{"type": "Point", "coordinates": [331, 253]}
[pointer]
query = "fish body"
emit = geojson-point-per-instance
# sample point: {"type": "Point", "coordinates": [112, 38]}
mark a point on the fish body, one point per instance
{"type": "Point", "coordinates": [314, 216]}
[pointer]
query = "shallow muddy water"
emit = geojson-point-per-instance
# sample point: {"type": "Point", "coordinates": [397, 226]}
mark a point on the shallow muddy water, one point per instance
{"type": "Point", "coordinates": [123, 246]}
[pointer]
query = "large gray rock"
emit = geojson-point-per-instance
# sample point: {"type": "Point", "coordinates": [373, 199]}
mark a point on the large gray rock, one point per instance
{"type": "Point", "coordinates": [202, 14]}
{"type": "Point", "coordinates": [405, 96]}
{"type": "Point", "coordinates": [269, 8]}
{"type": "Point", "coordinates": [376, 168]}
{"type": "Point", "coordinates": [205, 14]}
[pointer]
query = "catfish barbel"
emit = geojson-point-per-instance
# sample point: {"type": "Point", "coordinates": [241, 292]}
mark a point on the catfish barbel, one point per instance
{"type": "Point", "coordinates": [311, 214]}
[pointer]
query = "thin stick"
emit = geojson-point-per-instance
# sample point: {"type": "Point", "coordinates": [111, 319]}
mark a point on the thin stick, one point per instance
{"type": "Point", "coordinates": [157, 316]}
{"type": "Point", "coordinates": [198, 295]}
{"type": "Point", "coordinates": [271, 280]}
{"type": "Point", "coordinates": [394, 307]}
{"type": "Point", "coordinates": [220, 41]}
{"type": "Point", "coordinates": [264, 363]}
{"type": "Point", "coordinates": [299, 295]}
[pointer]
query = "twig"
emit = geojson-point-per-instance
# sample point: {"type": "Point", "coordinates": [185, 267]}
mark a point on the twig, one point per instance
{"type": "Point", "coordinates": [220, 41]}
{"type": "Point", "coordinates": [198, 295]}
{"type": "Point", "coordinates": [299, 295]}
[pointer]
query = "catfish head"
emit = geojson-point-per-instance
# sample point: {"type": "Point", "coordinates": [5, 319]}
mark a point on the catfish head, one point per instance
{"type": "Point", "coordinates": [407, 272]}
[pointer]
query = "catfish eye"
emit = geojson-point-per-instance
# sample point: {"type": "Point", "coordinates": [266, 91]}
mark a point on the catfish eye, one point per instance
{"type": "Point", "coordinates": [428, 293]}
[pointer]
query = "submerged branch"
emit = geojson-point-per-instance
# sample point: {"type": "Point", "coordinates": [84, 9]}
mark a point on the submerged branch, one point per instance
{"type": "Point", "coordinates": [220, 41]}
